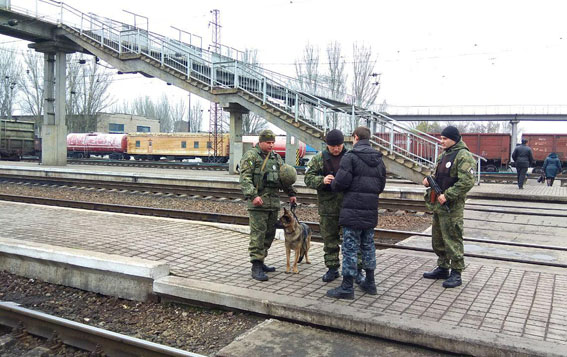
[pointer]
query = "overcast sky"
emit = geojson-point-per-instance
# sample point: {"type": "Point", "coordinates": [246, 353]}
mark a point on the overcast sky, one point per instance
{"type": "Point", "coordinates": [430, 53]}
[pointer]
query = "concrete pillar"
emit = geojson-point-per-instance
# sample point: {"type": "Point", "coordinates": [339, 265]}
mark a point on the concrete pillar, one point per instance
{"type": "Point", "coordinates": [291, 146]}
{"type": "Point", "coordinates": [54, 130]}
{"type": "Point", "coordinates": [514, 139]}
{"type": "Point", "coordinates": [235, 142]}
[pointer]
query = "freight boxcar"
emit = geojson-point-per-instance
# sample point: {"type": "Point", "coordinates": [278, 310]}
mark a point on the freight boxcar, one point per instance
{"type": "Point", "coordinates": [16, 139]}
{"type": "Point", "coordinates": [84, 145]}
{"type": "Point", "coordinates": [544, 144]}
{"type": "Point", "coordinates": [494, 147]}
{"type": "Point", "coordinates": [175, 146]}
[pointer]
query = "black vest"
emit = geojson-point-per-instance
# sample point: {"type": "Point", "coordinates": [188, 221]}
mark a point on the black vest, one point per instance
{"type": "Point", "coordinates": [443, 171]}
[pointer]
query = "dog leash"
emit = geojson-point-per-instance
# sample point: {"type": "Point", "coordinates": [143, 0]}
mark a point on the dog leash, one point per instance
{"type": "Point", "coordinates": [292, 207]}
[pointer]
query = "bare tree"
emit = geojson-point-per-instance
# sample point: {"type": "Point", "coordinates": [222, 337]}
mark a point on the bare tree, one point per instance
{"type": "Point", "coordinates": [87, 91]}
{"type": "Point", "coordinates": [177, 112]}
{"type": "Point", "coordinates": [337, 78]}
{"type": "Point", "coordinates": [31, 85]}
{"type": "Point", "coordinates": [365, 87]}
{"type": "Point", "coordinates": [196, 123]}
{"type": "Point", "coordinates": [10, 73]}
{"type": "Point", "coordinates": [307, 72]}
{"type": "Point", "coordinates": [252, 123]}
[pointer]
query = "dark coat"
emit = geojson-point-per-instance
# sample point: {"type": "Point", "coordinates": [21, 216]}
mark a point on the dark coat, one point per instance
{"type": "Point", "coordinates": [362, 176]}
{"type": "Point", "coordinates": [523, 156]}
{"type": "Point", "coordinates": [552, 165]}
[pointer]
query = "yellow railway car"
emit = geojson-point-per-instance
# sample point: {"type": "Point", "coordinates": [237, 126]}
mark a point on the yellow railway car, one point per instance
{"type": "Point", "coordinates": [177, 146]}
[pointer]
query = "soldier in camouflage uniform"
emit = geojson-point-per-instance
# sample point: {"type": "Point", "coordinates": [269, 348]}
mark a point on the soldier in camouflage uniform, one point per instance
{"type": "Point", "coordinates": [454, 173]}
{"type": "Point", "coordinates": [320, 172]}
{"type": "Point", "coordinates": [259, 177]}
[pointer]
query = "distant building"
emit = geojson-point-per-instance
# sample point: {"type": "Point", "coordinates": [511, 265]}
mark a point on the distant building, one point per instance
{"type": "Point", "coordinates": [125, 123]}
{"type": "Point", "coordinates": [102, 123]}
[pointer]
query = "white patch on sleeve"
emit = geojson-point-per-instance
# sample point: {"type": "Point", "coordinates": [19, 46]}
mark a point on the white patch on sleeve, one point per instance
{"type": "Point", "coordinates": [447, 165]}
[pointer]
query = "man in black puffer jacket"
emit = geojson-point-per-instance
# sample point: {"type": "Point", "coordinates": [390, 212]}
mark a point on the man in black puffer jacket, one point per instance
{"type": "Point", "coordinates": [524, 158]}
{"type": "Point", "coordinates": [362, 176]}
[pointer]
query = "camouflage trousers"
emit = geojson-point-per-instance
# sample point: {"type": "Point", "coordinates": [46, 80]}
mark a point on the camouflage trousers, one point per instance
{"type": "Point", "coordinates": [447, 239]}
{"type": "Point", "coordinates": [262, 232]}
{"type": "Point", "coordinates": [330, 231]}
{"type": "Point", "coordinates": [355, 241]}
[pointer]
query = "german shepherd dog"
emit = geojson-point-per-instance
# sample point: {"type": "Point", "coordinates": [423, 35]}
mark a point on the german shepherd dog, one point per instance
{"type": "Point", "coordinates": [297, 238]}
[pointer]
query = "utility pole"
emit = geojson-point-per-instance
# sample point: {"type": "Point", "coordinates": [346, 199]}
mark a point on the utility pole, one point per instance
{"type": "Point", "coordinates": [189, 115]}
{"type": "Point", "coordinates": [215, 120]}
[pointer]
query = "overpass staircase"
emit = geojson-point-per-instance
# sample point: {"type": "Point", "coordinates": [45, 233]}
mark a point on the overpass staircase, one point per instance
{"type": "Point", "coordinates": [228, 80]}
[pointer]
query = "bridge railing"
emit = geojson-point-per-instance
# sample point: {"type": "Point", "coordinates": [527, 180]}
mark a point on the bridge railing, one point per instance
{"type": "Point", "coordinates": [217, 70]}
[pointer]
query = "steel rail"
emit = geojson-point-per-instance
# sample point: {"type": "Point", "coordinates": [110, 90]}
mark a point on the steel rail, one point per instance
{"type": "Point", "coordinates": [82, 336]}
{"type": "Point", "coordinates": [219, 192]}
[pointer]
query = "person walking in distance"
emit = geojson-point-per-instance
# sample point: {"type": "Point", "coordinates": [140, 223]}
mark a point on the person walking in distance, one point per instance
{"type": "Point", "coordinates": [260, 178]}
{"type": "Point", "coordinates": [362, 177]}
{"type": "Point", "coordinates": [454, 174]}
{"type": "Point", "coordinates": [524, 158]}
{"type": "Point", "coordinates": [551, 168]}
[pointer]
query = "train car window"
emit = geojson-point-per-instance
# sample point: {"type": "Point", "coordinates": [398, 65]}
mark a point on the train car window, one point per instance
{"type": "Point", "coordinates": [183, 144]}
{"type": "Point", "coordinates": [195, 144]}
{"type": "Point", "coordinates": [137, 143]}
{"type": "Point", "coordinates": [209, 145]}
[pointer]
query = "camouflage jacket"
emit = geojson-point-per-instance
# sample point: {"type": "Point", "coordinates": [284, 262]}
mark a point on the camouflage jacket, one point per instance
{"type": "Point", "coordinates": [329, 202]}
{"type": "Point", "coordinates": [265, 184]}
{"type": "Point", "coordinates": [463, 169]}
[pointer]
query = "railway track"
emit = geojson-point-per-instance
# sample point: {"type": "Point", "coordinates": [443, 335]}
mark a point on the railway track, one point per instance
{"type": "Point", "coordinates": [384, 238]}
{"type": "Point", "coordinates": [155, 164]}
{"type": "Point", "coordinates": [98, 341]}
{"type": "Point", "coordinates": [233, 193]}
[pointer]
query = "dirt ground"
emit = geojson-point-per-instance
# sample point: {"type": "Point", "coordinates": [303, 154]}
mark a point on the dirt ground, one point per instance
{"type": "Point", "coordinates": [198, 330]}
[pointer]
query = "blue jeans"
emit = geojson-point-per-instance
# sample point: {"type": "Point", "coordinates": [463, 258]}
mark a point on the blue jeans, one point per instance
{"type": "Point", "coordinates": [353, 240]}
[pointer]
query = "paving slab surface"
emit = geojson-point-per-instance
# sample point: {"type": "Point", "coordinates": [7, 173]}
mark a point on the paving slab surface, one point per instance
{"type": "Point", "coordinates": [500, 307]}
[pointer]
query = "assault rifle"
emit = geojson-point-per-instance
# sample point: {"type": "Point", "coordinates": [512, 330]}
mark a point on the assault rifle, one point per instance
{"type": "Point", "coordinates": [436, 191]}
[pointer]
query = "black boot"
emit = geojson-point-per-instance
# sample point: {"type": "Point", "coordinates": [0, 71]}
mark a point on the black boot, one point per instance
{"type": "Point", "coordinates": [331, 275]}
{"type": "Point", "coordinates": [345, 291]}
{"type": "Point", "coordinates": [267, 269]}
{"type": "Point", "coordinates": [359, 277]}
{"type": "Point", "coordinates": [368, 285]}
{"type": "Point", "coordinates": [437, 273]}
{"type": "Point", "coordinates": [454, 280]}
{"type": "Point", "coordinates": [257, 272]}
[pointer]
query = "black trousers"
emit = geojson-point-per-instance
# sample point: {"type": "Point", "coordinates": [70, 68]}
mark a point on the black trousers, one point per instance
{"type": "Point", "coordinates": [522, 171]}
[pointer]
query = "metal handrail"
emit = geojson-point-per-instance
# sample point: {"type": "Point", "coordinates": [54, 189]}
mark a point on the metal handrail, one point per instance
{"type": "Point", "coordinates": [224, 71]}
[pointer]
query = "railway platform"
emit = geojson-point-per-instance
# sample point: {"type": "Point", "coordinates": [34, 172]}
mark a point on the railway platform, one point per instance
{"type": "Point", "coordinates": [502, 308]}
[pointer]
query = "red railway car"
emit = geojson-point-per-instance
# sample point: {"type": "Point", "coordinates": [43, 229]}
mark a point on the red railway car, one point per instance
{"type": "Point", "coordinates": [279, 145]}
{"type": "Point", "coordinates": [494, 147]}
{"type": "Point", "coordinates": [544, 144]}
{"type": "Point", "coordinates": [81, 145]}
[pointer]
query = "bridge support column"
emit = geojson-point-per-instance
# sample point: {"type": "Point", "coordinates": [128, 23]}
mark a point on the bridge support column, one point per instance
{"type": "Point", "coordinates": [54, 129]}
{"type": "Point", "coordinates": [291, 146]}
{"type": "Point", "coordinates": [236, 146]}
{"type": "Point", "coordinates": [514, 139]}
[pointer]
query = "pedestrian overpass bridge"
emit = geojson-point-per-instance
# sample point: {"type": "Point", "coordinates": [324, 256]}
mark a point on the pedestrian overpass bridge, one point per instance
{"type": "Point", "coordinates": [56, 29]}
